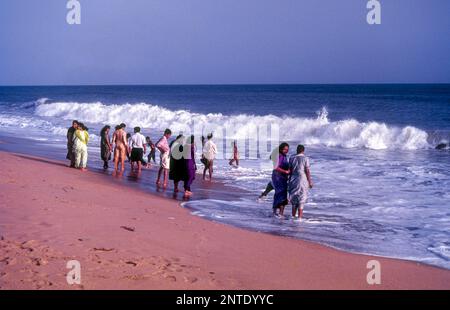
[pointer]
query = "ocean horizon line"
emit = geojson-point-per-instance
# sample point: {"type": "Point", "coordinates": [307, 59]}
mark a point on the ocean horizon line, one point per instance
{"type": "Point", "coordinates": [225, 84]}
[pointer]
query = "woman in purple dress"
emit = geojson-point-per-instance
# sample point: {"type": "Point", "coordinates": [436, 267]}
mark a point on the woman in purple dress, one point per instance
{"type": "Point", "coordinates": [191, 167]}
{"type": "Point", "coordinates": [280, 176]}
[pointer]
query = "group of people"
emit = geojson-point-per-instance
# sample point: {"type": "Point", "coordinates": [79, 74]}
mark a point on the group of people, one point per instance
{"type": "Point", "coordinates": [177, 158]}
{"type": "Point", "coordinates": [291, 177]}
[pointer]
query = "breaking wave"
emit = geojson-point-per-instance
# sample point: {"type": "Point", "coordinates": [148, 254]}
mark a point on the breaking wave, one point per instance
{"type": "Point", "coordinates": [348, 133]}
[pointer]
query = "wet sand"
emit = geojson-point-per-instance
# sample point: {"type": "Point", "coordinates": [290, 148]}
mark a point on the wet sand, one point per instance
{"type": "Point", "coordinates": [127, 238]}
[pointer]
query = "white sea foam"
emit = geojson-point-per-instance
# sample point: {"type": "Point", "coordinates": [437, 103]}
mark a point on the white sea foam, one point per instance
{"type": "Point", "coordinates": [348, 133]}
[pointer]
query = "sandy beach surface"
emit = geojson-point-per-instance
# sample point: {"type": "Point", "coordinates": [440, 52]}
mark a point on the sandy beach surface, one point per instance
{"type": "Point", "coordinates": [125, 238]}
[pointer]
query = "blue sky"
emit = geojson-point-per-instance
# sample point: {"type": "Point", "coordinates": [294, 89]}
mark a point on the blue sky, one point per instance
{"type": "Point", "coordinates": [223, 42]}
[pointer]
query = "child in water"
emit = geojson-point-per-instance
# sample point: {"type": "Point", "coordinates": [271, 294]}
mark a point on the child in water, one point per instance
{"type": "Point", "coordinates": [235, 157]}
{"type": "Point", "coordinates": [152, 155]}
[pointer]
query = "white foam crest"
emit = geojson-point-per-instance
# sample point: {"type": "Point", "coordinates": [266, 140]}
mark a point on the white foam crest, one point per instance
{"type": "Point", "coordinates": [348, 133]}
{"type": "Point", "coordinates": [25, 122]}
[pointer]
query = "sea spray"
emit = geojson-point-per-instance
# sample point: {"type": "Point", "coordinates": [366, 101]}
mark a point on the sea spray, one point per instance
{"type": "Point", "coordinates": [349, 133]}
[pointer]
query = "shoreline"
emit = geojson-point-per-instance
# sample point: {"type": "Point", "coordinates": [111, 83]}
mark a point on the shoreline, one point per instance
{"type": "Point", "coordinates": [51, 214]}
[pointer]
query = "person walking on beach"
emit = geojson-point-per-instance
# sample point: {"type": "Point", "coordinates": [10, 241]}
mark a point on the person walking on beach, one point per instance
{"type": "Point", "coordinates": [138, 148]}
{"type": "Point", "coordinates": [70, 152]}
{"type": "Point", "coordinates": [152, 154]}
{"type": "Point", "coordinates": [235, 157]}
{"type": "Point", "coordinates": [105, 146]}
{"type": "Point", "coordinates": [299, 181]}
{"type": "Point", "coordinates": [120, 150]}
{"type": "Point", "coordinates": [80, 141]}
{"type": "Point", "coordinates": [209, 154]}
{"type": "Point", "coordinates": [177, 171]}
{"type": "Point", "coordinates": [280, 179]}
{"type": "Point", "coordinates": [163, 146]}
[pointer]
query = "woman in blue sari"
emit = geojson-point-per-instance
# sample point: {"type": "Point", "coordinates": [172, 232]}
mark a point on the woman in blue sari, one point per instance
{"type": "Point", "coordinates": [280, 176]}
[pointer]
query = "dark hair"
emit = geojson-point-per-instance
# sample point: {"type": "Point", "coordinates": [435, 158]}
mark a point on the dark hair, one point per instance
{"type": "Point", "coordinates": [192, 139]}
{"type": "Point", "coordinates": [82, 126]}
{"type": "Point", "coordinates": [137, 129]}
{"type": "Point", "coordinates": [209, 136]}
{"type": "Point", "coordinates": [167, 131]}
{"type": "Point", "coordinates": [75, 121]}
{"type": "Point", "coordinates": [118, 127]}
{"type": "Point", "coordinates": [128, 135]}
{"type": "Point", "coordinates": [104, 129]}
{"type": "Point", "coordinates": [147, 138]}
{"type": "Point", "coordinates": [122, 125]}
{"type": "Point", "coordinates": [300, 148]}
{"type": "Point", "coordinates": [282, 146]}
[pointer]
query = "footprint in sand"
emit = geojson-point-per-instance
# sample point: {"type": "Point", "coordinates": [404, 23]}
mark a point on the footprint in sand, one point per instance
{"type": "Point", "coordinates": [8, 261]}
{"type": "Point", "coordinates": [67, 188]}
{"type": "Point", "coordinates": [131, 263]}
{"type": "Point", "coordinates": [103, 249]}
{"type": "Point", "coordinates": [28, 245]}
{"type": "Point", "coordinates": [38, 261]}
{"type": "Point", "coordinates": [171, 278]}
{"type": "Point", "coordinates": [190, 279]}
{"type": "Point", "coordinates": [136, 277]}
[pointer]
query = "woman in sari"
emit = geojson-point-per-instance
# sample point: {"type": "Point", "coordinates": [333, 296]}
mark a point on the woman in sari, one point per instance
{"type": "Point", "coordinates": [80, 141]}
{"type": "Point", "coordinates": [105, 146]}
{"type": "Point", "coordinates": [299, 181]}
{"type": "Point", "coordinates": [280, 176]}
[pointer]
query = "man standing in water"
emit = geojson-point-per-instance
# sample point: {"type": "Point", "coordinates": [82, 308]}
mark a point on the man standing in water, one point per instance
{"type": "Point", "coordinates": [163, 146]}
{"type": "Point", "coordinates": [70, 154]}
{"type": "Point", "coordinates": [138, 148]}
{"type": "Point", "coordinates": [209, 154]}
{"type": "Point", "coordinates": [299, 181]}
{"type": "Point", "coordinates": [121, 148]}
